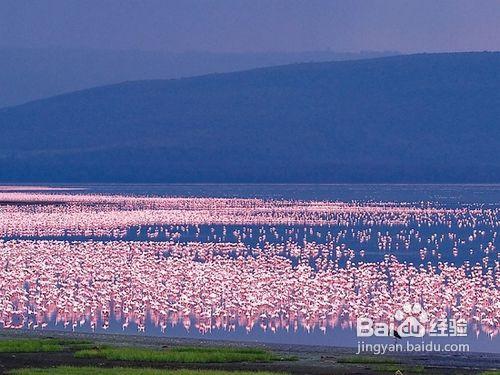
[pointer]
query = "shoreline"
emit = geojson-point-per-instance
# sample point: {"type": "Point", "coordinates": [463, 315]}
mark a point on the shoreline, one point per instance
{"type": "Point", "coordinates": [317, 360]}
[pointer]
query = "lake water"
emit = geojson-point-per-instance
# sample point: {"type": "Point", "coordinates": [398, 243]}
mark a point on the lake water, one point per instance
{"type": "Point", "coordinates": [276, 263]}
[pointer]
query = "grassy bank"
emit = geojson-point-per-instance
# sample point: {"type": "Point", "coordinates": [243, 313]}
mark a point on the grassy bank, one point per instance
{"type": "Point", "coordinates": [65, 370]}
{"type": "Point", "coordinates": [88, 349]}
{"type": "Point", "coordinates": [382, 364]}
{"type": "Point", "coordinates": [367, 359]}
{"type": "Point", "coordinates": [42, 345]}
{"type": "Point", "coordinates": [393, 369]}
{"type": "Point", "coordinates": [180, 354]}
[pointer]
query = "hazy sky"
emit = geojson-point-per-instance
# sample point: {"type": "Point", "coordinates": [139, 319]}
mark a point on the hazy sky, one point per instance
{"type": "Point", "coordinates": [253, 25]}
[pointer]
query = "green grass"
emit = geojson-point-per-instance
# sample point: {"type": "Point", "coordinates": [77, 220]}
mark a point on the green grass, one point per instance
{"type": "Point", "coordinates": [491, 372]}
{"type": "Point", "coordinates": [367, 359]}
{"type": "Point", "coordinates": [87, 349]}
{"type": "Point", "coordinates": [65, 370]}
{"type": "Point", "coordinates": [392, 368]}
{"type": "Point", "coordinates": [41, 345]}
{"type": "Point", "coordinates": [182, 354]}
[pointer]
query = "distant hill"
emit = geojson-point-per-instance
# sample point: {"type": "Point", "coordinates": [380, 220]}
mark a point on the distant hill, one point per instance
{"type": "Point", "coordinates": [30, 74]}
{"type": "Point", "coordinates": [417, 118]}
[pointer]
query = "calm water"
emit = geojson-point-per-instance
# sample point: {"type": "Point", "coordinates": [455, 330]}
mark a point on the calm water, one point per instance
{"type": "Point", "coordinates": [445, 194]}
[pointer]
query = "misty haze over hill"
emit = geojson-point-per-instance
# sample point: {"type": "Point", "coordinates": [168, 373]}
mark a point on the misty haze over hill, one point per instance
{"type": "Point", "coordinates": [29, 74]}
{"type": "Point", "coordinates": [414, 118]}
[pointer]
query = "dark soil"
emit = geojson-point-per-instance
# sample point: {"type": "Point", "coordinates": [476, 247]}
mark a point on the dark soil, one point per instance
{"type": "Point", "coordinates": [314, 360]}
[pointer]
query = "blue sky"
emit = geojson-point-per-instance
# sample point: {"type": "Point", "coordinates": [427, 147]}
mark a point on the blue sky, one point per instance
{"type": "Point", "coordinates": [253, 25]}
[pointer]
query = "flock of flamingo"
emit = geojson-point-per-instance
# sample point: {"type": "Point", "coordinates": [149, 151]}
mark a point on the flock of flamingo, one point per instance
{"type": "Point", "coordinates": [78, 259]}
